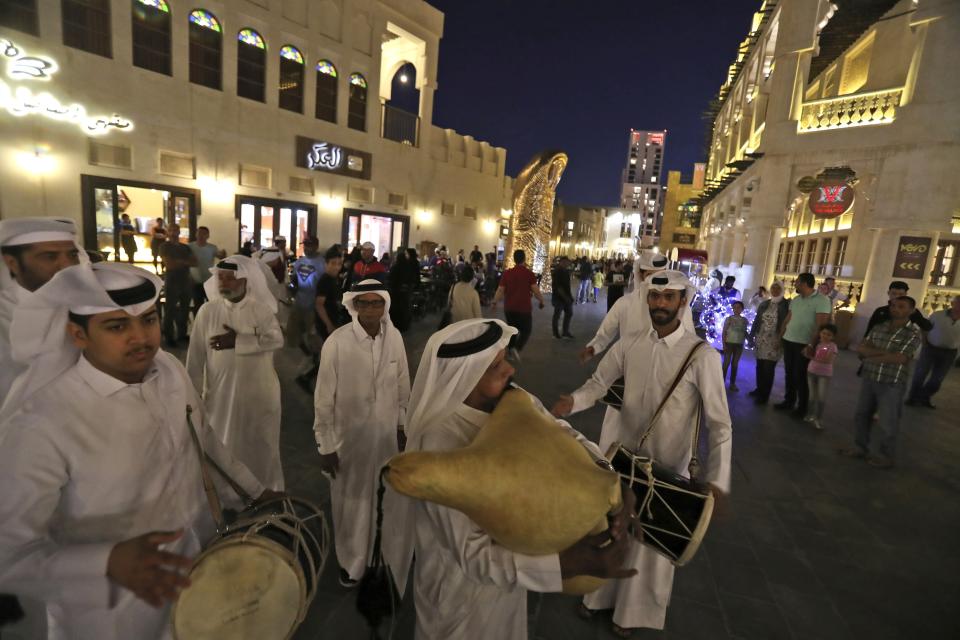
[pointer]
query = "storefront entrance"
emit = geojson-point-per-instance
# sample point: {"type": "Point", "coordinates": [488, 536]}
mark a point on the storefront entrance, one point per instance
{"type": "Point", "coordinates": [105, 200]}
{"type": "Point", "coordinates": [386, 231]}
{"type": "Point", "coordinates": [262, 220]}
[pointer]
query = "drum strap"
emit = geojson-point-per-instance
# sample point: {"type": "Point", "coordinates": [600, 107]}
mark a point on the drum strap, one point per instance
{"type": "Point", "coordinates": [676, 382]}
{"type": "Point", "coordinates": [216, 509]}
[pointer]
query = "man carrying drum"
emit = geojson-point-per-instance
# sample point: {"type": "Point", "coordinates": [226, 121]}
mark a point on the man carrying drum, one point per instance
{"type": "Point", "coordinates": [102, 504]}
{"type": "Point", "coordinates": [466, 585]}
{"type": "Point", "coordinates": [649, 362]}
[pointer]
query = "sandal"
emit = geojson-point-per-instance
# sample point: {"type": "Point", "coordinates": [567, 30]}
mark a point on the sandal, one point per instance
{"type": "Point", "coordinates": [621, 632]}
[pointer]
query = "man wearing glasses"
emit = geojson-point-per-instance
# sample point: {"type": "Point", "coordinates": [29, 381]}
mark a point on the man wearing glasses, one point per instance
{"type": "Point", "coordinates": [360, 402]}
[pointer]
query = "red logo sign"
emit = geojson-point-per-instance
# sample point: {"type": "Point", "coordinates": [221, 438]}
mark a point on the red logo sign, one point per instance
{"type": "Point", "coordinates": [831, 199]}
{"type": "Point", "coordinates": [654, 138]}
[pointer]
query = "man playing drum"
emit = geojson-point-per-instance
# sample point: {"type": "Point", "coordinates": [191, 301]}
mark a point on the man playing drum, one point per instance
{"type": "Point", "coordinates": [466, 586]}
{"type": "Point", "coordinates": [649, 362]}
{"type": "Point", "coordinates": [102, 504]}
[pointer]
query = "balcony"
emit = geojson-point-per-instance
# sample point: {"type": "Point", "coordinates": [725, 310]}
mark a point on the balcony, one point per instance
{"type": "Point", "coordinates": [399, 125]}
{"type": "Point", "coordinates": [856, 110]}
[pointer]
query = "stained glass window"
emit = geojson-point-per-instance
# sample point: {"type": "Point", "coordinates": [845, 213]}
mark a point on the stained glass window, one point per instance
{"type": "Point", "coordinates": [251, 37]}
{"type": "Point", "coordinates": [357, 79]}
{"type": "Point", "coordinates": [291, 53]}
{"type": "Point", "coordinates": [204, 19]}
{"type": "Point", "coordinates": [160, 5]}
{"type": "Point", "coordinates": [326, 67]}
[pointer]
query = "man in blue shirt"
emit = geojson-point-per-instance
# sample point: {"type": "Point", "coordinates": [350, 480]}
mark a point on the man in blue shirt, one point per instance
{"type": "Point", "coordinates": [300, 327]}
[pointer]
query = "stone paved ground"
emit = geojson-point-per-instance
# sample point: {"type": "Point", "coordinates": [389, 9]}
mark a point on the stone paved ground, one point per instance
{"type": "Point", "coordinates": [810, 545]}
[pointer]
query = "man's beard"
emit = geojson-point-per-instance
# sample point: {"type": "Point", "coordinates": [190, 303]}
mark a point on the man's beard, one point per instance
{"type": "Point", "coordinates": [662, 317]}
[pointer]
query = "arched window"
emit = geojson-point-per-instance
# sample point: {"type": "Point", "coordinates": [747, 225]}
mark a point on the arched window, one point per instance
{"type": "Point", "coordinates": [291, 79]}
{"type": "Point", "coordinates": [206, 49]}
{"type": "Point", "coordinates": [357, 106]}
{"type": "Point", "coordinates": [251, 65]}
{"type": "Point", "coordinates": [326, 91]}
{"type": "Point", "coordinates": [151, 35]}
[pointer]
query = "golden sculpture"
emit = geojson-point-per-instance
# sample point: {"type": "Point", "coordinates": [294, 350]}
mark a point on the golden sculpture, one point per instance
{"type": "Point", "coordinates": [531, 223]}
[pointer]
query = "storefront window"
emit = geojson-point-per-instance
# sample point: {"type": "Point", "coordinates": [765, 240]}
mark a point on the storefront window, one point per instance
{"type": "Point", "coordinates": [262, 220]}
{"type": "Point", "coordinates": [385, 231]}
{"type": "Point", "coordinates": [266, 226]}
{"type": "Point", "coordinates": [841, 255]}
{"type": "Point", "coordinates": [247, 223]}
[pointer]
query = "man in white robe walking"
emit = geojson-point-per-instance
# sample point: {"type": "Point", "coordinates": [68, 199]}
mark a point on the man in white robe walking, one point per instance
{"type": "Point", "coordinates": [102, 505]}
{"type": "Point", "coordinates": [230, 361]}
{"type": "Point", "coordinates": [649, 364]}
{"type": "Point", "coordinates": [466, 586]}
{"type": "Point", "coordinates": [363, 387]}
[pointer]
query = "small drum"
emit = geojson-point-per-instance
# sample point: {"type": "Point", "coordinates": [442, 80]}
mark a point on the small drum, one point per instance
{"type": "Point", "coordinates": [614, 396]}
{"type": "Point", "coordinates": [673, 511]}
{"type": "Point", "coordinates": [257, 579]}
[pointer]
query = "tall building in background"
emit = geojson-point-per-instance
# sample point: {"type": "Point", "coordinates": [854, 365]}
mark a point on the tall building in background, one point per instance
{"type": "Point", "coordinates": [681, 214]}
{"type": "Point", "coordinates": [642, 183]}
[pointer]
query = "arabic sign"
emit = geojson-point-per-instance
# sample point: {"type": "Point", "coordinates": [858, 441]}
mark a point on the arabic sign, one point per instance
{"type": "Point", "coordinates": [831, 198]}
{"type": "Point", "coordinates": [685, 238]}
{"type": "Point", "coordinates": [21, 101]}
{"type": "Point", "coordinates": [911, 259]}
{"type": "Point", "coordinates": [321, 155]}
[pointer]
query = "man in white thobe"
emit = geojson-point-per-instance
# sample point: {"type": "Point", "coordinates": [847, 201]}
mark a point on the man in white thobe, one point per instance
{"type": "Point", "coordinates": [102, 504]}
{"type": "Point", "coordinates": [628, 318]}
{"type": "Point", "coordinates": [230, 361]}
{"type": "Point", "coordinates": [466, 586]}
{"type": "Point", "coordinates": [33, 250]}
{"type": "Point", "coordinates": [363, 387]}
{"type": "Point", "coordinates": [649, 365]}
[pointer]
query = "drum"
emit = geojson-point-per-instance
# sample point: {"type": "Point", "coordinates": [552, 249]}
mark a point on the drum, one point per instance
{"type": "Point", "coordinates": [614, 396]}
{"type": "Point", "coordinates": [256, 580]}
{"type": "Point", "coordinates": [673, 511]}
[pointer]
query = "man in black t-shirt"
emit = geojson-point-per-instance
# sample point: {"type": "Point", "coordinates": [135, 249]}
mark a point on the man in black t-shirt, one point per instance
{"type": "Point", "coordinates": [896, 289]}
{"type": "Point", "coordinates": [330, 313]}
{"type": "Point", "coordinates": [177, 285]}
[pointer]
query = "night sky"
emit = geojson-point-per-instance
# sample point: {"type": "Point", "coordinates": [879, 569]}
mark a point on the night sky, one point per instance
{"type": "Point", "coordinates": [529, 75]}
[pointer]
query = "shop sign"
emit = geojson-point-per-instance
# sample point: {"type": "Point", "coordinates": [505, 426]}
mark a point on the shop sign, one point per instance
{"type": "Point", "coordinates": [321, 155]}
{"type": "Point", "coordinates": [685, 238]}
{"type": "Point", "coordinates": [911, 257]}
{"type": "Point", "coordinates": [21, 101]}
{"type": "Point", "coordinates": [654, 138]}
{"type": "Point", "coordinates": [831, 198]}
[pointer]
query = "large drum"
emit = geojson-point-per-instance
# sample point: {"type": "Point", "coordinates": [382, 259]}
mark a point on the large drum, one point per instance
{"type": "Point", "coordinates": [614, 395]}
{"type": "Point", "coordinates": [673, 511]}
{"type": "Point", "coordinates": [257, 579]}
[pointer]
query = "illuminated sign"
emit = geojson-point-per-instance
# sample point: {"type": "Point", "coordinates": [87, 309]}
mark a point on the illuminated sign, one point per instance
{"type": "Point", "coordinates": [324, 156]}
{"type": "Point", "coordinates": [21, 101]}
{"type": "Point", "coordinates": [321, 155]}
{"type": "Point", "coordinates": [654, 138]}
{"type": "Point", "coordinates": [831, 198]}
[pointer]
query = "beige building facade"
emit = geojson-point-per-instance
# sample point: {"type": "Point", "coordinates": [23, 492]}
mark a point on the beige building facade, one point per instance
{"type": "Point", "coordinates": [681, 216]}
{"type": "Point", "coordinates": [255, 118]}
{"type": "Point", "coordinates": [852, 109]}
{"type": "Point", "coordinates": [578, 231]}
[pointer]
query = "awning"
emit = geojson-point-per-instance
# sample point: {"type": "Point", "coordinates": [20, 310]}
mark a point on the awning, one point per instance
{"type": "Point", "coordinates": [691, 255]}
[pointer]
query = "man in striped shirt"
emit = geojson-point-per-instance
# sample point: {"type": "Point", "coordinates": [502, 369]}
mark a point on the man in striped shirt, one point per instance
{"type": "Point", "coordinates": [886, 354]}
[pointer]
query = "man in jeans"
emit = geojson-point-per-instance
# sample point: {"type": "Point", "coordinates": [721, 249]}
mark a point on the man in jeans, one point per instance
{"type": "Point", "coordinates": [177, 285]}
{"type": "Point", "coordinates": [886, 355]}
{"type": "Point", "coordinates": [516, 286]}
{"type": "Point", "coordinates": [939, 352]}
{"type": "Point", "coordinates": [562, 298]}
{"type": "Point", "coordinates": [808, 312]}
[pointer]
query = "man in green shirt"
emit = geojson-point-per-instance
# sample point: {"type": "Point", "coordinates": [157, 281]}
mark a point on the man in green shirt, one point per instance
{"type": "Point", "coordinates": [808, 312]}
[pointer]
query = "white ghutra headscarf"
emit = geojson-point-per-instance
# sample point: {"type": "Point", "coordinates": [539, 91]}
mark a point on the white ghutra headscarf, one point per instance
{"type": "Point", "coordinates": [246, 268]}
{"type": "Point", "coordinates": [16, 232]}
{"type": "Point", "coordinates": [368, 286]}
{"type": "Point", "coordinates": [38, 333]}
{"type": "Point", "coordinates": [452, 364]}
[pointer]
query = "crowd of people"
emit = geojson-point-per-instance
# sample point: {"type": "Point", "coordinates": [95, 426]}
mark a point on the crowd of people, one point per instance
{"type": "Point", "coordinates": [103, 505]}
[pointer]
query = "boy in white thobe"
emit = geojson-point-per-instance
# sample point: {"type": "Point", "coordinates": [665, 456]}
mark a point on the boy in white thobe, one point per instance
{"type": "Point", "coordinates": [102, 503]}
{"type": "Point", "coordinates": [230, 360]}
{"type": "Point", "coordinates": [649, 364]}
{"type": "Point", "coordinates": [363, 386]}
{"type": "Point", "coordinates": [466, 586]}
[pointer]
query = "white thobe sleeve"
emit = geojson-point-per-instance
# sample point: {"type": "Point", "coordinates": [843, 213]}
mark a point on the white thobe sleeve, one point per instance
{"type": "Point", "coordinates": [266, 336]}
{"type": "Point", "coordinates": [486, 562]}
{"type": "Point", "coordinates": [609, 328]}
{"type": "Point", "coordinates": [403, 387]}
{"type": "Point", "coordinates": [32, 473]}
{"type": "Point", "coordinates": [197, 349]}
{"type": "Point", "coordinates": [716, 415]}
{"type": "Point", "coordinates": [608, 371]}
{"type": "Point", "coordinates": [325, 397]}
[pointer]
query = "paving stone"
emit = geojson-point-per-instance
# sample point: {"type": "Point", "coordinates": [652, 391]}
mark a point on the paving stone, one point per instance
{"type": "Point", "coordinates": [809, 545]}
